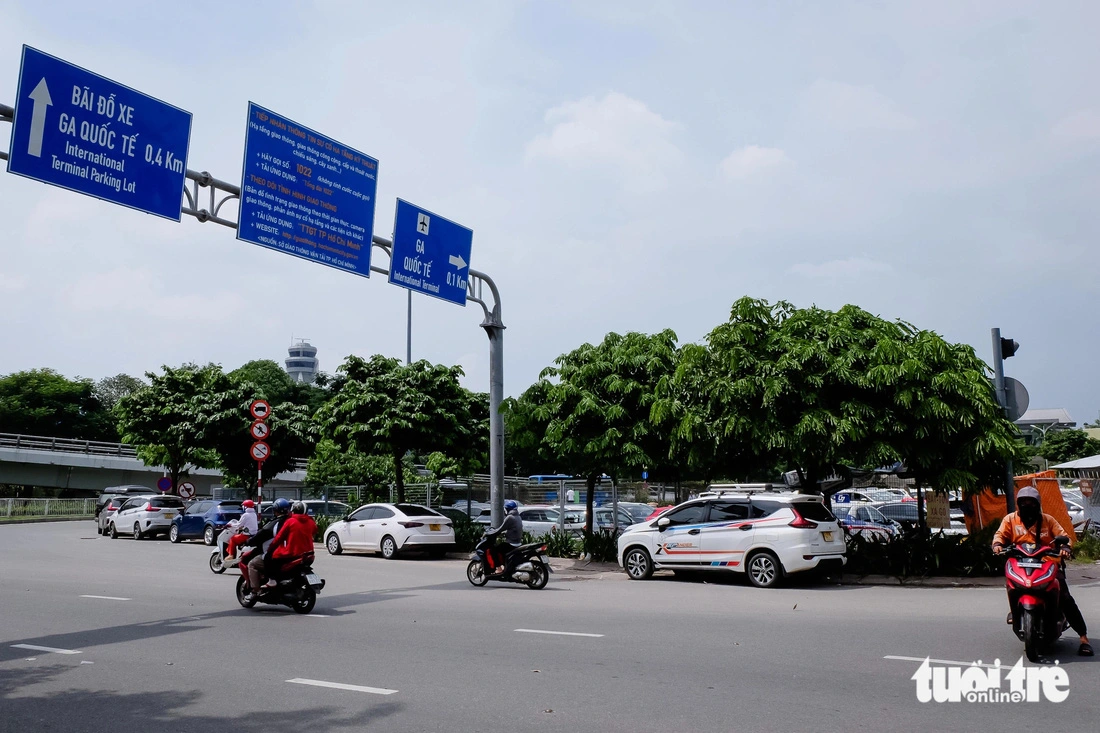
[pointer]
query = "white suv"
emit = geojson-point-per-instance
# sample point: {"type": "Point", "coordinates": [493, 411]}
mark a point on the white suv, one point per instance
{"type": "Point", "coordinates": [766, 534]}
{"type": "Point", "coordinates": [143, 516]}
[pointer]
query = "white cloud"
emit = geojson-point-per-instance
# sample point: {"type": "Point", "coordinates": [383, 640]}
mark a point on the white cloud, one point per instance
{"type": "Point", "coordinates": [752, 160]}
{"type": "Point", "coordinates": [849, 107]}
{"type": "Point", "coordinates": [851, 267]}
{"type": "Point", "coordinates": [615, 132]}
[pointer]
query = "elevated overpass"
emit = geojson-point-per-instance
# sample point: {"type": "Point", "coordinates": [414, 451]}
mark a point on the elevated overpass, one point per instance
{"type": "Point", "coordinates": [65, 463]}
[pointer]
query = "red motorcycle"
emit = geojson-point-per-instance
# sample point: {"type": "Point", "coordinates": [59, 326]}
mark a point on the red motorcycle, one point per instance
{"type": "Point", "coordinates": [1034, 592]}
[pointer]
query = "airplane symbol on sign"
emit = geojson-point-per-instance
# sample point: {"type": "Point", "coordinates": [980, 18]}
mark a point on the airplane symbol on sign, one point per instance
{"type": "Point", "coordinates": [422, 222]}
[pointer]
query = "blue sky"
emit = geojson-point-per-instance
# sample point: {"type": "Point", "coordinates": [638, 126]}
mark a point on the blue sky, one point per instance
{"type": "Point", "coordinates": [624, 166]}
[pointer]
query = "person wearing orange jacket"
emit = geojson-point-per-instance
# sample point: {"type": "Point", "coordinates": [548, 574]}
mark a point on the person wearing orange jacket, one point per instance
{"type": "Point", "coordinates": [1029, 524]}
{"type": "Point", "coordinates": [295, 538]}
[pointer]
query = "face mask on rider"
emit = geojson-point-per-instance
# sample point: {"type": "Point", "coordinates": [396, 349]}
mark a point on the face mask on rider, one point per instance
{"type": "Point", "coordinates": [1029, 513]}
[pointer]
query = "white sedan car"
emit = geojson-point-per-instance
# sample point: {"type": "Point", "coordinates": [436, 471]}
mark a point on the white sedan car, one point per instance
{"type": "Point", "coordinates": [390, 529]}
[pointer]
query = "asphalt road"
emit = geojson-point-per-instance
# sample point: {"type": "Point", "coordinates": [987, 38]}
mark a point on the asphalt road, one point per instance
{"type": "Point", "coordinates": [179, 654]}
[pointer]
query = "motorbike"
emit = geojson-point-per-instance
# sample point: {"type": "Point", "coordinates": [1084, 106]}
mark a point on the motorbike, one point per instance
{"type": "Point", "coordinates": [1034, 594]}
{"type": "Point", "coordinates": [217, 556]}
{"type": "Point", "coordinates": [487, 563]}
{"type": "Point", "coordinates": [296, 585]}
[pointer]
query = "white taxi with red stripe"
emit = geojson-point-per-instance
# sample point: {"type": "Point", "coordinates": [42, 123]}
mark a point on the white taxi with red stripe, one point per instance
{"type": "Point", "coordinates": [765, 534]}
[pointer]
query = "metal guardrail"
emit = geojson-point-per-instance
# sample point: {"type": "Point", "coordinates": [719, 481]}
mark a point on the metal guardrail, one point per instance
{"type": "Point", "coordinates": [66, 445]}
{"type": "Point", "coordinates": [47, 507]}
{"type": "Point", "coordinates": [89, 447]}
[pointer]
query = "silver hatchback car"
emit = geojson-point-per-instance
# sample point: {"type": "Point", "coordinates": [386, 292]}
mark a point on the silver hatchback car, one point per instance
{"type": "Point", "coordinates": [144, 516]}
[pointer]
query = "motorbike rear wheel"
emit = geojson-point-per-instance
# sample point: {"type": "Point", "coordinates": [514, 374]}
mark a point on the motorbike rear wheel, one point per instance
{"type": "Point", "coordinates": [308, 600]}
{"type": "Point", "coordinates": [241, 599]}
{"type": "Point", "coordinates": [1029, 629]}
{"type": "Point", "coordinates": [475, 573]}
{"type": "Point", "coordinates": [540, 576]}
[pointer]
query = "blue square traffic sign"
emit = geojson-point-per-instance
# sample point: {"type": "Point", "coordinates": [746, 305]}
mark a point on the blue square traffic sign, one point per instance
{"type": "Point", "coordinates": [431, 254]}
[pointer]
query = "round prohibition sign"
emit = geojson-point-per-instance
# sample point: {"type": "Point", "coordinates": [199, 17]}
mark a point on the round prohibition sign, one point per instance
{"type": "Point", "coordinates": [187, 490]}
{"type": "Point", "coordinates": [261, 451]}
{"type": "Point", "coordinates": [260, 409]}
{"type": "Point", "coordinates": [260, 430]}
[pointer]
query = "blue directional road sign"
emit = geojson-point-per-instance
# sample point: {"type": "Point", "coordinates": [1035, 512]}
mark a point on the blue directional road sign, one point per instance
{"type": "Point", "coordinates": [81, 131]}
{"type": "Point", "coordinates": [430, 254]}
{"type": "Point", "coordinates": [306, 195]}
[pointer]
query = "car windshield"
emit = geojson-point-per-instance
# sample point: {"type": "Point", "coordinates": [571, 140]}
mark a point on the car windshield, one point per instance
{"type": "Point", "coordinates": [415, 510]}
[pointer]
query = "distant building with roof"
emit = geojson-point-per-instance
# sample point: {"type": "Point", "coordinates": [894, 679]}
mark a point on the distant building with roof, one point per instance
{"type": "Point", "coordinates": [302, 364]}
{"type": "Point", "coordinates": [1035, 424]}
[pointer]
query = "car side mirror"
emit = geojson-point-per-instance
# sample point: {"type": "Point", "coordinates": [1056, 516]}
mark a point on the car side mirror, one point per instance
{"type": "Point", "coordinates": [662, 523]}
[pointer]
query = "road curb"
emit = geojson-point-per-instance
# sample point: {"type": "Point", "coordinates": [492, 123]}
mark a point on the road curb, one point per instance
{"type": "Point", "coordinates": [37, 520]}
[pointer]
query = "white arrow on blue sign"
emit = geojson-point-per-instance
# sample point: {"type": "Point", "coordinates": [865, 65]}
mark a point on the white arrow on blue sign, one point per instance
{"type": "Point", "coordinates": [431, 254]}
{"type": "Point", "coordinates": [78, 130]}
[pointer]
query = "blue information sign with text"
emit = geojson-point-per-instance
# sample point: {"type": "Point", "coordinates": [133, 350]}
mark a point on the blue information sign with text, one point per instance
{"type": "Point", "coordinates": [431, 254]}
{"type": "Point", "coordinates": [305, 194]}
{"type": "Point", "coordinates": [81, 131]}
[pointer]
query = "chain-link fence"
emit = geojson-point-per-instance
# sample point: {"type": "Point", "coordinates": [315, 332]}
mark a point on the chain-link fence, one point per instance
{"type": "Point", "coordinates": [47, 508]}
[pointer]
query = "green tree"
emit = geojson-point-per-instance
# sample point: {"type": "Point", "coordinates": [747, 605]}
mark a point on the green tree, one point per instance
{"type": "Point", "coordinates": [165, 420]}
{"type": "Point", "coordinates": [596, 403]}
{"type": "Point", "coordinates": [43, 402]}
{"type": "Point", "coordinates": [384, 407]}
{"type": "Point", "coordinates": [1060, 446]}
{"type": "Point", "coordinates": [332, 465]}
{"type": "Point", "coordinates": [268, 379]}
{"type": "Point", "coordinates": [110, 390]}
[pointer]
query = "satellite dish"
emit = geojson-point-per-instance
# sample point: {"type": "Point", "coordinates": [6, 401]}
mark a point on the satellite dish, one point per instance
{"type": "Point", "coordinates": [1016, 398]}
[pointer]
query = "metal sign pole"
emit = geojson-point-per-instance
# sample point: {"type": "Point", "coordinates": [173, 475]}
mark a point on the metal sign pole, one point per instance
{"type": "Point", "coordinates": [1002, 400]}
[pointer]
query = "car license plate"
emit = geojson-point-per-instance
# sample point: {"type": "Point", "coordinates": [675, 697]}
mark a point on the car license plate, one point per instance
{"type": "Point", "coordinates": [313, 579]}
{"type": "Point", "coordinates": [827, 536]}
{"type": "Point", "coordinates": [434, 527]}
{"type": "Point", "coordinates": [169, 514]}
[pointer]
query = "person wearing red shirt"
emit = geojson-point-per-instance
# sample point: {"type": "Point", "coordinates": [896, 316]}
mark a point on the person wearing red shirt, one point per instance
{"type": "Point", "coordinates": [295, 539]}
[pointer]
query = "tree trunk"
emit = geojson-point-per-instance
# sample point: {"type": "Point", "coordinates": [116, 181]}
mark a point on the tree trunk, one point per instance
{"type": "Point", "coordinates": [589, 496]}
{"type": "Point", "coordinates": [399, 476]}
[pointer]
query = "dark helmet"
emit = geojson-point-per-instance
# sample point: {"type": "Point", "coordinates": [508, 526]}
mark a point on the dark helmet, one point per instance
{"type": "Point", "coordinates": [299, 507]}
{"type": "Point", "coordinates": [1029, 492]}
{"type": "Point", "coordinates": [282, 506]}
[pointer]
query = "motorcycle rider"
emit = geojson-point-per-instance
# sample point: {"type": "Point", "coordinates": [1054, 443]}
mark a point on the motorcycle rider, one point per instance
{"type": "Point", "coordinates": [295, 539]}
{"type": "Point", "coordinates": [1028, 524]}
{"type": "Point", "coordinates": [244, 528]}
{"type": "Point", "coordinates": [263, 540]}
{"type": "Point", "coordinates": [512, 528]}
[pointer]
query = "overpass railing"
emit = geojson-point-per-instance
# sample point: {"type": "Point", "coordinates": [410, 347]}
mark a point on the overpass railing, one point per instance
{"type": "Point", "coordinates": [66, 445]}
{"type": "Point", "coordinates": [47, 507]}
{"type": "Point", "coordinates": [89, 447]}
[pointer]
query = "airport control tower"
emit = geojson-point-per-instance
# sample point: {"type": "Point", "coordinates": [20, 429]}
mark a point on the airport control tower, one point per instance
{"type": "Point", "coordinates": [302, 363]}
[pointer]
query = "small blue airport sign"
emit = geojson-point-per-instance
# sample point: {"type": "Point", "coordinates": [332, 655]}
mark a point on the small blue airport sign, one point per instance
{"type": "Point", "coordinates": [431, 254]}
{"type": "Point", "coordinates": [78, 130]}
{"type": "Point", "coordinates": [305, 194]}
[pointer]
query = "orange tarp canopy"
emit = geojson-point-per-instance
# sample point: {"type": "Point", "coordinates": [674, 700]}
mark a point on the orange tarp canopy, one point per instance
{"type": "Point", "coordinates": [990, 507]}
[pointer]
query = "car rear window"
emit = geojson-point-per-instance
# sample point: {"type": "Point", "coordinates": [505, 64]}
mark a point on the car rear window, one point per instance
{"type": "Point", "coordinates": [815, 511]}
{"type": "Point", "coordinates": [167, 502]}
{"type": "Point", "coordinates": [232, 506]}
{"type": "Point", "coordinates": [415, 510]}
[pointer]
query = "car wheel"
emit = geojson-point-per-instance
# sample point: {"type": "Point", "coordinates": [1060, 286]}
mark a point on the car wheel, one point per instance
{"type": "Point", "coordinates": [216, 564]}
{"type": "Point", "coordinates": [98, 529]}
{"type": "Point", "coordinates": [245, 601]}
{"type": "Point", "coordinates": [307, 601]}
{"type": "Point", "coordinates": [475, 573]}
{"type": "Point", "coordinates": [114, 531]}
{"type": "Point", "coordinates": [174, 534]}
{"type": "Point", "coordinates": [764, 570]}
{"type": "Point", "coordinates": [332, 544]}
{"type": "Point", "coordinates": [638, 564]}
{"type": "Point", "coordinates": [208, 536]}
{"type": "Point", "coordinates": [137, 531]}
{"type": "Point", "coordinates": [389, 547]}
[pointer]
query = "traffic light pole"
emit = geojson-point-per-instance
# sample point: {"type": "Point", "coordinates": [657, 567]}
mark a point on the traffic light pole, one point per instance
{"type": "Point", "coordinates": [1002, 400]}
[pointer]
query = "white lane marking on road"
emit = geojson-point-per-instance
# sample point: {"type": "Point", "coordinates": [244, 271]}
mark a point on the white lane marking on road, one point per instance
{"type": "Point", "coordinates": [949, 662]}
{"type": "Point", "coordinates": [342, 686]}
{"type": "Point", "coordinates": [35, 648]}
{"type": "Point", "coordinates": [558, 633]}
{"type": "Point", "coordinates": [317, 615]}
{"type": "Point", "coordinates": [107, 598]}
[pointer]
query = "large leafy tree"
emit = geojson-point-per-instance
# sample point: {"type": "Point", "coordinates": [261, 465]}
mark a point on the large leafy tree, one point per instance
{"type": "Point", "coordinates": [110, 390]}
{"type": "Point", "coordinates": [595, 404]}
{"type": "Point", "coordinates": [1059, 446]}
{"type": "Point", "coordinates": [166, 420]}
{"type": "Point", "coordinates": [43, 402]}
{"type": "Point", "coordinates": [384, 407]}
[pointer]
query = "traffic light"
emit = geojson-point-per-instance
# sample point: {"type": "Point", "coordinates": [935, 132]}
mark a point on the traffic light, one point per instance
{"type": "Point", "coordinates": [1008, 347]}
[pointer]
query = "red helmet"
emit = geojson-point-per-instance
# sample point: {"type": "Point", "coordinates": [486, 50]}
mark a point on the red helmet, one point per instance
{"type": "Point", "coordinates": [248, 504]}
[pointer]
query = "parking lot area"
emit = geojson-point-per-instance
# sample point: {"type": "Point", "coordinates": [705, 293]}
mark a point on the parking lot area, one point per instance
{"type": "Point", "coordinates": [99, 634]}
